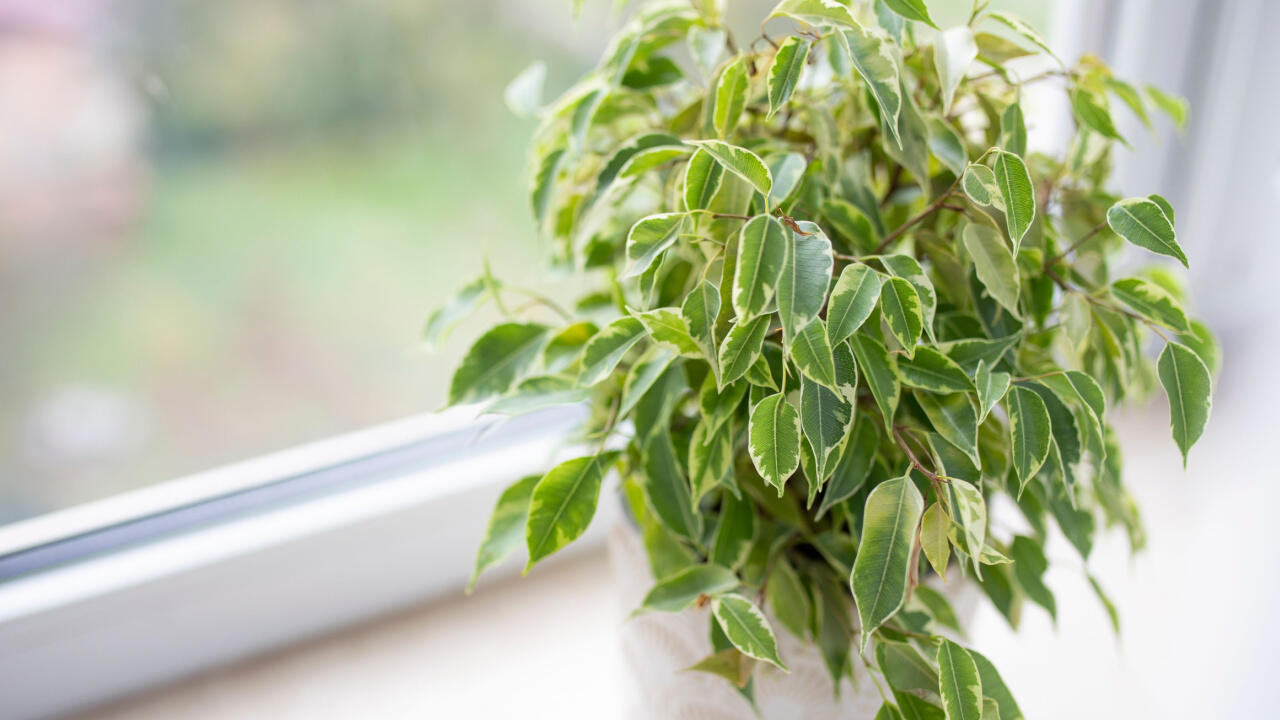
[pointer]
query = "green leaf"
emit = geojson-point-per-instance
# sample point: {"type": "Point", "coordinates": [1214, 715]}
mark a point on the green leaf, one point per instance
{"type": "Point", "coordinates": [1020, 26]}
{"type": "Point", "coordinates": [506, 527]}
{"type": "Point", "coordinates": [1201, 340]}
{"type": "Point", "coordinates": [739, 161]}
{"type": "Point", "coordinates": [969, 514]}
{"type": "Point", "coordinates": [909, 269]}
{"type": "Point", "coordinates": [444, 318]}
{"type": "Point", "coordinates": [850, 223]}
{"type": "Point", "coordinates": [901, 307]}
{"type": "Point", "coordinates": [650, 237]}
{"type": "Point", "coordinates": [746, 627]}
{"type": "Point", "coordinates": [1172, 105]}
{"type": "Point", "coordinates": [700, 310]}
{"type": "Point", "coordinates": [875, 57]}
{"type": "Point", "coordinates": [953, 417]}
{"type": "Point", "coordinates": [1164, 205]}
{"type": "Point", "coordinates": [1017, 194]}
{"type": "Point", "coordinates": [675, 593]}
{"type": "Point", "coordinates": [647, 159]}
{"type": "Point", "coordinates": [812, 354]}
{"type": "Point", "coordinates": [1129, 95]}
{"type": "Point", "coordinates": [787, 171]}
{"type": "Point", "coordinates": [537, 393]}
{"type": "Point", "coordinates": [544, 181]}
{"type": "Point", "coordinates": [959, 682]}
{"type": "Point", "coordinates": [911, 10]}
{"type": "Point", "coordinates": [667, 489]}
{"type": "Point", "coordinates": [604, 351]}
{"type": "Point", "coordinates": [994, 265]}
{"type": "Point", "coordinates": [762, 250]}
{"type": "Point", "coordinates": [953, 51]}
{"type": "Point", "coordinates": [852, 299]}
{"type": "Point", "coordinates": [905, 668]}
{"type": "Point", "coordinates": [563, 503]}
{"type": "Point", "coordinates": [1029, 566]}
{"type": "Point", "coordinates": [735, 532]}
{"type": "Point", "coordinates": [930, 370]}
{"type": "Point", "coordinates": [1013, 130]}
{"type": "Point", "coordinates": [980, 186]}
{"type": "Point", "coordinates": [784, 73]}
{"type": "Point", "coordinates": [729, 664]}
{"type": "Point", "coordinates": [947, 145]}
{"type": "Point", "coordinates": [643, 375]}
{"type": "Point", "coordinates": [702, 179]}
{"type": "Point", "coordinates": [991, 385]}
{"type": "Point", "coordinates": [996, 50]}
{"type": "Point", "coordinates": [826, 416]}
{"type": "Point", "coordinates": [730, 97]}
{"type": "Point", "coordinates": [1093, 113]}
{"type": "Point", "coordinates": [710, 458]}
{"type": "Point", "coordinates": [854, 467]}
{"type": "Point", "coordinates": [668, 327]}
{"type": "Point", "coordinates": [741, 347]}
{"type": "Point", "coordinates": [774, 440]}
{"type": "Point", "coordinates": [882, 565]}
{"type": "Point", "coordinates": [496, 360]}
{"type": "Point", "coordinates": [1187, 383]}
{"type": "Point", "coordinates": [524, 93]}
{"type": "Point", "coordinates": [1152, 302]}
{"type": "Point", "coordinates": [1143, 223]}
{"type": "Point", "coordinates": [815, 12]}
{"type": "Point", "coordinates": [993, 687]}
{"type": "Point", "coordinates": [881, 373]}
{"type": "Point", "coordinates": [787, 598]}
{"type": "Point", "coordinates": [968, 353]}
{"type": "Point", "coordinates": [1031, 430]}
{"type": "Point", "coordinates": [934, 527]}
{"type": "Point", "coordinates": [1112, 614]}
{"type": "Point", "coordinates": [806, 274]}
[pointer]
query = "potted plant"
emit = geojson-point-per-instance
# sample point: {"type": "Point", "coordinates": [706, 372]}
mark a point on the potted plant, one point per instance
{"type": "Point", "coordinates": [837, 307]}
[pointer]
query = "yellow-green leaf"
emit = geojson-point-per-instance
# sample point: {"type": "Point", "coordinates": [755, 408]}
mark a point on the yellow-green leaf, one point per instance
{"type": "Point", "coordinates": [882, 565]}
{"type": "Point", "coordinates": [563, 503]}
{"type": "Point", "coordinates": [506, 527]}
{"type": "Point", "coordinates": [747, 628]}
{"type": "Point", "coordinates": [1188, 385]}
{"type": "Point", "coordinates": [784, 73]}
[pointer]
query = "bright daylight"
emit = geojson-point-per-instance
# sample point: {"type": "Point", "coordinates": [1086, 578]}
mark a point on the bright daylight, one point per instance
{"type": "Point", "coordinates": [638, 359]}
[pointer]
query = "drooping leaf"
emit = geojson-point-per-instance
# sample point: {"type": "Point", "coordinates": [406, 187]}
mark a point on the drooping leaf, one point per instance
{"type": "Point", "coordinates": [934, 528]}
{"type": "Point", "coordinates": [813, 355]}
{"type": "Point", "coordinates": [1152, 302]}
{"type": "Point", "coordinates": [1172, 105]}
{"type": "Point", "coordinates": [881, 374]}
{"type": "Point", "coordinates": [1031, 430]}
{"type": "Point", "coordinates": [1143, 223]}
{"type": "Point", "coordinates": [729, 664]}
{"type": "Point", "coordinates": [462, 303]}
{"type": "Point", "coordinates": [993, 687]}
{"type": "Point", "coordinates": [787, 599]}
{"type": "Point", "coordinates": [1092, 111]}
{"type": "Point", "coordinates": [650, 237]}
{"type": "Point", "coordinates": [854, 467]}
{"type": "Point", "coordinates": [909, 269]}
{"type": "Point", "coordinates": [604, 351]}
{"type": "Point", "coordinates": [496, 360]}
{"type": "Point", "coordinates": [739, 161]}
{"type": "Point", "coordinates": [506, 527]}
{"type": "Point", "coordinates": [563, 503]}
{"type": "Point", "coordinates": [902, 313]}
{"type": "Point", "coordinates": [953, 417]}
{"type": "Point", "coordinates": [1130, 96]}
{"type": "Point", "coordinates": [675, 593]}
{"type": "Point", "coordinates": [702, 179]}
{"type": "Point", "coordinates": [668, 327]}
{"type": "Point", "coordinates": [774, 439]}
{"type": "Point", "coordinates": [1029, 566]}
{"type": "Point", "coordinates": [953, 51]}
{"type": "Point", "coordinates": [994, 265]}
{"type": "Point", "coordinates": [730, 97]}
{"type": "Point", "coordinates": [643, 375]}
{"type": "Point", "coordinates": [827, 416]}
{"type": "Point", "coordinates": [734, 534]}
{"type": "Point", "coordinates": [882, 565]}
{"type": "Point", "coordinates": [710, 458]}
{"type": "Point", "coordinates": [911, 10]}
{"type": "Point", "coordinates": [741, 348]}
{"type": "Point", "coordinates": [806, 274]}
{"type": "Point", "coordinates": [991, 385]}
{"type": "Point", "coordinates": [762, 249]}
{"type": "Point", "coordinates": [959, 682]}
{"type": "Point", "coordinates": [1017, 194]}
{"type": "Point", "coordinates": [853, 298]}
{"type": "Point", "coordinates": [875, 57]}
{"type": "Point", "coordinates": [784, 73]}
{"type": "Point", "coordinates": [1187, 384]}
{"type": "Point", "coordinates": [747, 628]}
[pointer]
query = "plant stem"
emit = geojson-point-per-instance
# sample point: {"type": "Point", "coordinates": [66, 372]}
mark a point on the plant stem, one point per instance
{"type": "Point", "coordinates": [929, 210]}
{"type": "Point", "coordinates": [1094, 231]}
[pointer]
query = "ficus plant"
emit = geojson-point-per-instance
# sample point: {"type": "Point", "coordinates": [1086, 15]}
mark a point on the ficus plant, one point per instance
{"type": "Point", "coordinates": [836, 307]}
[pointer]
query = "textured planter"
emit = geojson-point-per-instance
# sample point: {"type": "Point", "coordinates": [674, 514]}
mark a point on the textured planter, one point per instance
{"type": "Point", "coordinates": [656, 647]}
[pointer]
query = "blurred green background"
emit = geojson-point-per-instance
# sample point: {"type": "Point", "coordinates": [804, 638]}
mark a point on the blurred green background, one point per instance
{"type": "Point", "coordinates": [222, 224]}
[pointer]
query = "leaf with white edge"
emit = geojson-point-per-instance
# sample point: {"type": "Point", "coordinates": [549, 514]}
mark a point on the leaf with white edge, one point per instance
{"type": "Point", "coordinates": [762, 250]}
{"type": "Point", "coordinates": [787, 599]}
{"type": "Point", "coordinates": [1151, 302]}
{"type": "Point", "coordinates": [881, 569]}
{"type": "Point", "coordinates": [710, 458]}
{"type": "Point", "coordinates": [604, 351]}
{"type": "Point", "coordinates": [668, 326]}
{"type": "Point", "coordinates": [1017, 194]}
{"type": "Point", "coordinates": [1093, 113]}
{"type": "Point", "coordinates": [784, 73]}
{"type": "Point", "coordinates": [702, 179]}
{"type": "Point", "coordinates": [1201, 340]}
{"type": "Point", "coordinates": [544, 181]}
{"type": "Point", "coordinates": [739, 161]}
{"type": "Point", "coordinates": [911, 10]}
{"type": "Point", "coordinates": [1020, 26]}
{"type": "Point", "coordinates": [968, 353]}
{"type": "Point", "coordinates": [930, 370]}
{"type": "Point", "coordinates": [815, 12]}
{"type": "Point", "coordinates": [563, 503]}
{"type": "Point", "coordinates": [1164, 205]}
{"type": "Point", "coordinates": [1013, 129]}
{"type": "Point", "coordinates": [741, 348]}
{"type": "Point", "coordinates": [934, 528]}
{"type": "Point", "coordinates": [1188, 385]}
{"type": "Point", "coordinates": [524, 93]}
{"type": "Point", "coordinates": [969, 515]}
{"type": "Point", "coordinates": [444, 318]}
{"type": "Point", "coordinates": [537, 393]}
{"type": "Point", "coordinates": [730, 97]}
{"type": "Point", "coordinates": [854, 467]}
{"type": "Point", "coordinates": [909, 269]}
{"type": "Point", "coordinates": [642, 376]}
{"type": "Point", "coordinates": [1029, 567]}
{"type": "Point", "coordinates": [735, 532]}
{"type": "Point", "coordinates": [667, 489]}
{"type": "Point", "coordinates": [991, 385]}
{"type": "Point", "coordinates": [959, 684]}
{"type": "Point", "coordinates": [774, 440]}
{"type": "Point", "coordinates": [746, 627]}
{"type": "Point", "coordinates": [650, 237]}
{"type": "Point", "coordinates": [506, 527]}
{"type": "Point", "coordinates": [875, 57]}
{"type": "Point", "coordinates": [993, 687]}
{"type": "Point", "coordinates": [953, 51]}
{"type": "Point", "coordinates": [787, 171]}
{"type": "Point", "coordinates": [806, 274]}
{"type": "Point", "coordinates": [853, 298]}
{"type": "Point", "coordinates": [812, 354]}
{"type": "Point", "coordinates": [953, 417]}
{"type": "Point", "coordinates": [1143, 223]}
{"type": "Point", "coordinates": [496, 360]}
{"type": "Point", "coordinates": [1172, 105]}
{"type": "Point", "coordinates": [1107, 604]}
{"type": "Point", "coordinates": [826, 416]}
{"type": "Point", "coordinates": [994, 265]}
{"type": "Point", "coordinates": [706, 44]}
{"type": "Point", "coordinates": [881, 374]}
{"type": "Point", "coordinates": [1031, 430]}
{"type": "Point", "coordinates": [901, 307]}
{"type": "Point", "coordinates": [980, 186]}
{"type": "Point", "coordinates": [647, 159]}
{"type": "Point", "coordinates": [700, 310]}
{"type": "Point", "coordinates": [675, 593]}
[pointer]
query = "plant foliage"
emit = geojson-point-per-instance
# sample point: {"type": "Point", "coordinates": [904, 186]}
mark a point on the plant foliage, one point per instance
{"type": "Point", "coordinates": [837, 308]}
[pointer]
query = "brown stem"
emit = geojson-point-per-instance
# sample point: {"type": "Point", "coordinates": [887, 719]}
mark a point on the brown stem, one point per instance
{"type": "Point", "coordinates": [1094, 231]}
{"type": "Point", "coordinates": [929, 210]}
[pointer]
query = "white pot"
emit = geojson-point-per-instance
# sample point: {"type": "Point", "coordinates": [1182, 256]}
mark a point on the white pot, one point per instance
{"type": "Point", "coordinates": [657, 647]}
